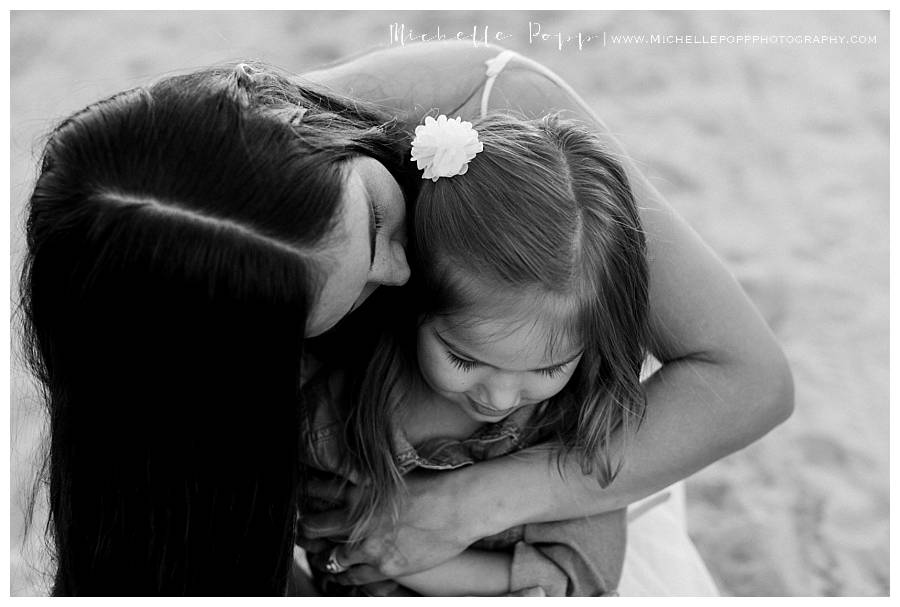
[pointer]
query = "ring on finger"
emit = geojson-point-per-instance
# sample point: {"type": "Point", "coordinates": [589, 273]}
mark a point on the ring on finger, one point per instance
{"type": "Point", "coordinates": [333, 565]}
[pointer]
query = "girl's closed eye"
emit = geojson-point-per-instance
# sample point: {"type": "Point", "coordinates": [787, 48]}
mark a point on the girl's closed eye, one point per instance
{"type": "Point", "coordinates": [466, 365]}
{"type": "Point", "coordinates": [460, 363]}
{"type": "Point", "coordinates": [552, 372]}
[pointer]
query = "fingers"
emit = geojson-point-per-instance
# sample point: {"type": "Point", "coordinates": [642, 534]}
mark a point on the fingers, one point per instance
{"type": "Point", "coordinates": [345, 557]}
{"type": "Point", "coordinates": [359, 575]}
{"type": "Point", "coordinates": [359, 556]}
{"type": "Point", "coordinates": [318, 559]}
{"type": "Point", "coordinates": [329, 551]}
{"type": "Point", "coordinates": [354, 575]}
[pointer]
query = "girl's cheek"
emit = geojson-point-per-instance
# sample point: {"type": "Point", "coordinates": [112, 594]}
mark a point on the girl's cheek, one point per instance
{"type": "Point", "coordinates": [452, 379]}
{"type": "Point", "coordinates": [438, 371]}
{"type": "Point", "coordinates": [449, 378]}
{"type": "Point", "coordinates": [551, 387]}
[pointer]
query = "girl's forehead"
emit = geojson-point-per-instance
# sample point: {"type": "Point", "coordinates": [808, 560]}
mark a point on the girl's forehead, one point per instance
{"type": "Point", "coordinates": [507, 343]}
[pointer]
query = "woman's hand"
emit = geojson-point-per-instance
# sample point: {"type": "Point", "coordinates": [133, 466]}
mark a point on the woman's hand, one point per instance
{"type": "Point", "coordinates": [431, 529]}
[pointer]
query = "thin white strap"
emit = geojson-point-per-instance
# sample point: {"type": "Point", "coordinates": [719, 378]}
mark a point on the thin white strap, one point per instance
{"type": "Point", "coordinates": [494, 67]}
{"type": "Point", "coordinates": [641, 507]}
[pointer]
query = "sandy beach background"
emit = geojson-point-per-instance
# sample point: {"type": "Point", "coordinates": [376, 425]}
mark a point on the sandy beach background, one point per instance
{"type": "Point", "coordinates": [776, 154]}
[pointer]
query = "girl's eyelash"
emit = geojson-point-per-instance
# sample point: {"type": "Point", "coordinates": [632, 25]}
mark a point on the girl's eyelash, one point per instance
{"type": "Point", "coordinates": [460, 363]}
{"type": "Point", "coordinates": [552, 371]}
{"type": "Point", "coordinates": [467, 365]}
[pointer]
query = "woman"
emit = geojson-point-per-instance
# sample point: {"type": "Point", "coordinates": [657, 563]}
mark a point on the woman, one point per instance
{"type": "Point", "coordinates": [724, 381]}
{"type": "Point", "coordinates": [182, 240]}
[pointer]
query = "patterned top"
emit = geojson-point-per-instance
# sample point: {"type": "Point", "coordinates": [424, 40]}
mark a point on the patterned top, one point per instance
{"type": "Point", "coordinates": [579, 557]}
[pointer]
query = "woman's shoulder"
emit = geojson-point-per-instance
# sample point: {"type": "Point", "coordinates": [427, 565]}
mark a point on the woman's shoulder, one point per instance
{"type": "Point", "coordinates": [532, 89]}
{"type": "Point", "coordinates": [411, 60]}
{"type": "Point", "coordinates": [412, 80]}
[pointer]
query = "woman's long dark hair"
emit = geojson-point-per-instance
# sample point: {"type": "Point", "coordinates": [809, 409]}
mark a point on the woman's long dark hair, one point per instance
{"type": "Point", "coordinates": [169, 275]}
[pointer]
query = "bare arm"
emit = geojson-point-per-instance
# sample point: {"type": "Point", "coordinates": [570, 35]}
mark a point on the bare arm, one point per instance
{"type": "Point", "coordinates": [414, 81]}
{"type": "Point", "coordinates": [472, 573]}
{"type": "Point", "coordinates": [575, 557]}
{"type": "Point", "coordinates": [724, 383]}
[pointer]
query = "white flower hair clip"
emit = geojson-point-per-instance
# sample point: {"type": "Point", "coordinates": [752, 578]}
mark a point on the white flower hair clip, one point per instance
{"type": "Point", "coordinates": [444, 147]}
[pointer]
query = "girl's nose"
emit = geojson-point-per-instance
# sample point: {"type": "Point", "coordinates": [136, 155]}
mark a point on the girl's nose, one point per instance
{"type": "Point", "coordinates": [503, 392]}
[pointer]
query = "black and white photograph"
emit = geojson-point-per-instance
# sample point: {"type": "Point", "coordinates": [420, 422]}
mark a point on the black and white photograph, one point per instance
{"type": "Point", "coordinates": [450, 303]}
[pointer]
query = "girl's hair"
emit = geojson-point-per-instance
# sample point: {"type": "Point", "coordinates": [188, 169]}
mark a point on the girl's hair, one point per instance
{"type": "Point", "coordinates": [544, 215]}
{"type": "Point", "coordinates": [169, 276]}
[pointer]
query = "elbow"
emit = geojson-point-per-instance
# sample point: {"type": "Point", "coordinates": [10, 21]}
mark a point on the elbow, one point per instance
{"type": "Point", "coordinates": [764, 400]}
{"type": "Point", "coordinates": [760, 396]}
{"type": "Point", "coordinates": [773, 386]}
{"type": "Point", "coordinates": [780, 401]}
{"type": "Point", "coordinates": [785, 403]}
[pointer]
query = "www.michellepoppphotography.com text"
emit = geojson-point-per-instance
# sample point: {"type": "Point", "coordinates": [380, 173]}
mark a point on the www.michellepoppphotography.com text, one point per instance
{"type": "Point", "coordinates": [537, 34]}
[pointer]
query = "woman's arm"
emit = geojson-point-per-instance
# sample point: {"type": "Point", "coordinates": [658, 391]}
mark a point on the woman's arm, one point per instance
{"type": "Point", "coordinates": [724, 380]}
{"type": "Point", "coordinates": [413, 81]}
{"type": "Point", "coordinates": [724, 383]}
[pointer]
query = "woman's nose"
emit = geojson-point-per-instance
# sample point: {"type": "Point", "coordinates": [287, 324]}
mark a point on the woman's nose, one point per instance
{"type": "Point", "coordinates": [392, 268]}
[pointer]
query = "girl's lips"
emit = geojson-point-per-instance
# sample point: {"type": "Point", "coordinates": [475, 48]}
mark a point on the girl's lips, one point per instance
{"type": "Point", "coordinates": [488, 411]}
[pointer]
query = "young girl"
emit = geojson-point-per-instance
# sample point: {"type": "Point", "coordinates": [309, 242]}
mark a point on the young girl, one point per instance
{"type": "Point", "coordinates": [525, 320]}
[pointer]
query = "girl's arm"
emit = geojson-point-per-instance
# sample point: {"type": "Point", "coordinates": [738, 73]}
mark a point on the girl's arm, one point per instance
{"type": "Point", "coordinates": [723, 384]}
{"type": "Point", "coordinates": [472, 573]}
{"type": "Point", "coordinates": [575, 557]}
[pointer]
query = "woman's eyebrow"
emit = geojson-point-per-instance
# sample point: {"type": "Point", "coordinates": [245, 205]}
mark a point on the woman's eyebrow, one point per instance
{"type": "Point", "coordinates": [465, 354]}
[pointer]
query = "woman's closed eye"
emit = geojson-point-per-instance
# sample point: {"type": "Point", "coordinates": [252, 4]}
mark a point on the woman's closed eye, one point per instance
{"type": "Point", "coordinates": [378, 212]}
{"type": "Point", "coordinates": [376, 224]}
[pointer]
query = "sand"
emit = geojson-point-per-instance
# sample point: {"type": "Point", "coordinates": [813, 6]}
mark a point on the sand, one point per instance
{"type": "Point", "coordinates": [776, 154]}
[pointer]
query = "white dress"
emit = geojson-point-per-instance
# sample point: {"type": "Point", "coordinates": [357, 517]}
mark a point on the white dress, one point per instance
{"type": "Point", "coordinates": [660, 558]}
